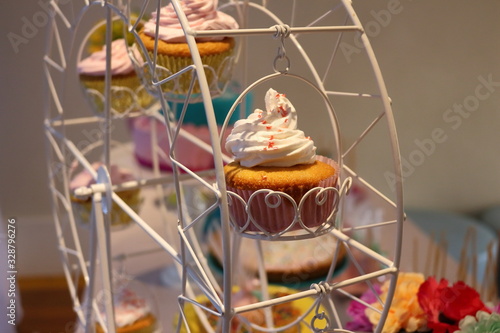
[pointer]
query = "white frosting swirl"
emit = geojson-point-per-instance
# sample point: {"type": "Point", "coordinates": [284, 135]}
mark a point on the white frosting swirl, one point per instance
{"type": "Point", "coordinates": [271, 137]}
{"type": "Point", "coordinates": [95, 64]}
{"type": "Point", "coordinates": [201, 14]}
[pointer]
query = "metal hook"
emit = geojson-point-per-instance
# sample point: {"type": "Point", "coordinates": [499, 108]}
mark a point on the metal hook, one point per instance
{"type": "Point", "coordinates": [320, 316]}
{"type": "Point", "coordinates": [282, 31]}
{"type": "Point", "coordinates": [323, 289]}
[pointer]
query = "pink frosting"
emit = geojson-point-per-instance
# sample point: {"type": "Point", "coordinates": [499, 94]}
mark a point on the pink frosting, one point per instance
{"type": "Point", "coordinates": [95, 64]}
{"type": "Point", "coordinates": [188, 153]}
{"type": "Point", "coordinates": [201, 14]}
{"type": "Point", "coordinates": [117, 174]}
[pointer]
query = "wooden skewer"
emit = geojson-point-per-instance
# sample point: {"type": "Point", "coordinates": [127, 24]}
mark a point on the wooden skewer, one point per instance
{"type": "Point", "coordinates": [463, 264]}
{"type": "Point", "coordinates": [487, 285]}
{"type": "Point", "coordinates": [495, 257]}
{"type": "Point", "coordinates": [491, 265]}
{"type": "Point", "coordinates": [474, 273]}
{"type": "Point", "coordinates": [369, 237]}
{"type": "Point", "coordinates": [428, 263]}
{"type": "Point", "coordinates": [444, 253]}
{"type": "Point", "coordinates": [437, 258]}
{"type": "Point", "coordinates": [474, 258]}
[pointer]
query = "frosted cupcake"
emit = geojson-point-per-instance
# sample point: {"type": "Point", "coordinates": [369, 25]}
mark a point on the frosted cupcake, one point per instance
{"type": "Point", "coordinates": [291, 262]}
{"type": "Point", "coordinates": [127, 92]}
{"type": "Point", "coordinates": [83, 208]}
{"type": "Point", "coordinates": [97, 37]}
{"type": "Point", "coordinates": [133, 314]}
{"type": "Point", "coordinates": [271, 154]}
{"type": "Point", "coordinates": [173, 51]}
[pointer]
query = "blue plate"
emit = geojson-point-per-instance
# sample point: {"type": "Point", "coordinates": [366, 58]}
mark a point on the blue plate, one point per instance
{"type": "Point", "coordinates": [213, 221]}
{"type": "Point", "coordinates": [491, 217]}
{"type": "Point", "coordinates": [455, 227]}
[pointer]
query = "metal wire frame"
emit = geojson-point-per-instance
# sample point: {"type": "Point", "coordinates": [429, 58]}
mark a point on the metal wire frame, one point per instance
{"type": "Point", "coordinates": [185, 226]}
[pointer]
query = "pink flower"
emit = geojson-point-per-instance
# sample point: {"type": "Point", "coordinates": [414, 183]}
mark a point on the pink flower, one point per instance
{"type": "Point", "coordinates": [356, 310]}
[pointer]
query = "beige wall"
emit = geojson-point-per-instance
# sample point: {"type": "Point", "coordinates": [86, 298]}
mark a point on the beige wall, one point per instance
{"type": "Point", "coordinates": [440, 59]}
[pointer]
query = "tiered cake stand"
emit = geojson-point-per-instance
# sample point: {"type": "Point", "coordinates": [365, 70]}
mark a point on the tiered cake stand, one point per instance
{"type": "Point", "coordinates": [324, 53]}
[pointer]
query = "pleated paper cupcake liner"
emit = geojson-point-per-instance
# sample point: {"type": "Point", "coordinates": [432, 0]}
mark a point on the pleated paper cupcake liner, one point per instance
{"type": "Point", "coordinates": [127, 93]}
{"type": "Point", "coordinates": [218, 68]}
{"type": "Point", "coordinates": [273, 216]}
{"type": "Point", "coordinates": [83, 209]}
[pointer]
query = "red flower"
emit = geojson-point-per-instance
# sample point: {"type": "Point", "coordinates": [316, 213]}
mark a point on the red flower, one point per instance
{"type": "Point", "coordinates": [446, 306]}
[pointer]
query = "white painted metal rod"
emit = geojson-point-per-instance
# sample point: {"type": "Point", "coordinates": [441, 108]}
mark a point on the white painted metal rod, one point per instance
{"type": "Point", "coordinates": [369, 226]}
{"type": "Point", "coordinates": [272, 30]}
{"type": "Point", "coordinates": [313, 292]}
{"type": "Point", "coordinates": [351, 242]}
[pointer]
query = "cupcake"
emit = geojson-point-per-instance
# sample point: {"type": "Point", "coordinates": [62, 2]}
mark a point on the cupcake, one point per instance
{"type": "Point", "coordinates": [191, 155]}
{"type": "Point", "coordinates": [195, 123]}
{"type": "Point", "coordinates": [133, 314]}
{"type": "Point", "coordinates": [97, 36]}
{"type": "Point", "coordinates": [283, 314]}
{"type": "Point", "coordinates": [83, 208]}
{"type": "Point", "coordinates": [271, 154]}
{"type": "Point", "coordinates": [127, 92]}
{"type": "Point", "coordinates": [173, 51]}
{"type": "Point", "coordinates": [293, 262]}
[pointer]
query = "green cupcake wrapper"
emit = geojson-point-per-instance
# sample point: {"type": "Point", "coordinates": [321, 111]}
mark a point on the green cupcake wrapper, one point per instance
{"type": "Point", "coordinates": [83, 209]}
{"type": "Point", "coordinates": [218, 71]}
{"type": "Point", "coordinates": [127, 93]}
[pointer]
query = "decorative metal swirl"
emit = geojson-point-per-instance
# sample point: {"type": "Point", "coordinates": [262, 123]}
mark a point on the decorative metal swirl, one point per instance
{"type": "Point", "coordinates": [271, 214]}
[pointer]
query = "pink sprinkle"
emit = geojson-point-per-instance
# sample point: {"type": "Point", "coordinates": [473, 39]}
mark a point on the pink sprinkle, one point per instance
{"type": "Point", "coordinates": [282, 111]}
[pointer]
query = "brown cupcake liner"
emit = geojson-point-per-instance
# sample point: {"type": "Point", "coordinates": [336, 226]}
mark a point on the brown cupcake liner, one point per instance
{"type": "Point", "coordinates": [310, 208]}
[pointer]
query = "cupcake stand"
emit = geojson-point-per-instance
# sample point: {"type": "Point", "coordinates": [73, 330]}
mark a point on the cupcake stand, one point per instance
{"type": "Point", "coordinates": [323, 52]}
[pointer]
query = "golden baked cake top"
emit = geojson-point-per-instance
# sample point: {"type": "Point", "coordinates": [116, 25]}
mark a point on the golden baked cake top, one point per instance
{"type": "Point", "coordinates": [205, 48]}
{"type": "Point", "coordinates": [277, 178]}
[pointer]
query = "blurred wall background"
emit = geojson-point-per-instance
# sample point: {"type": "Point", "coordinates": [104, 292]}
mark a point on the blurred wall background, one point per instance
{"type": "Point", "coordinates": [441, 64]}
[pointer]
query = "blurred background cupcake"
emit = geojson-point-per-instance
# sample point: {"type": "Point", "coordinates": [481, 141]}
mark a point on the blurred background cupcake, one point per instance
{"type": "Point", "coordinates": [173, 52]}
{"type": "Point", "coordinates": [127, 91]}
{"type": "Point", "coordinates": [195, 123]}
{"type": "Point", "coordinates": [83, 207]}
{"type": "Point", "coordinates": [134, 307]}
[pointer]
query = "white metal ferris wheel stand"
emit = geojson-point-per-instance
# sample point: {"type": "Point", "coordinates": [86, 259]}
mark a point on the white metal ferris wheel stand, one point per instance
{"type": "Point", "coordinates": [195, 269]}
